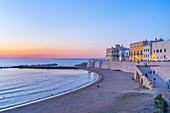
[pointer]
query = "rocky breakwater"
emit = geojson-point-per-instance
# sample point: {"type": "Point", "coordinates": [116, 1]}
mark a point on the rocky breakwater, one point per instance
{"type": "Point", "coordinates": [42, 66]}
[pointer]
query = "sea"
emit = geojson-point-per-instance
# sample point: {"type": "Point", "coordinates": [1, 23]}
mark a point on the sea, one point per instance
{"type": "Point", "coordinates": [22, 86]}
{"type": "Point", "coordinates": [30, 61]}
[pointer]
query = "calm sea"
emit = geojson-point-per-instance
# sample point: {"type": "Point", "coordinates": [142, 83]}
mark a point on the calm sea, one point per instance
{"type": "Point", "coordinates": [20, 86]}
{"type": "Point", "coordinates": [61, 62]}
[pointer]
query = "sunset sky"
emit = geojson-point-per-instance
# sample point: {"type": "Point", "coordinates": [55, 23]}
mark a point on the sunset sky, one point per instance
{"type": "Point", "coordinates": [78, 28]}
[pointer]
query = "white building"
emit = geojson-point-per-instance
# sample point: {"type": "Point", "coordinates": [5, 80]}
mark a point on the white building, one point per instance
{"type": "Point", "coordinates": [161, 51]}
{"type": "Point", "coordinates": [147, 51]}
{"type": "Point", "coordinates": [115, 54]}
{"type": "Point", "coordinates": [109, 54]}
{"type": "Point", "coordinates": [122, 53]}
{"type": "Point", "coordinates": [112, 54]}
{"type": "Point", "coordinates": [127, 55]}
{"type": "Point", "coordinates": [147, 48]}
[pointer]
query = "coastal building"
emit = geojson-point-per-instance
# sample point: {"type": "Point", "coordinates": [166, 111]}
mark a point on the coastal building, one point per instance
{"type": "Point", "coordinates": [112, 54]}
{"type": "Point", "coordinates": [122, 54]}
{"type": "Point", "coordinates": [147, 51]}
{"type": "Point", "coordinates": [136, 50]}
{"type": "Point", "coordinates": [161, 51]}
{"type": "Point", "coordinates": [127, 55]}
{"type": "Point", "coordinates": [116, 53]}
{"type": "Point", "coordinates": [109, 54]}
{"type": "Point", "coordinates": [148, 56]}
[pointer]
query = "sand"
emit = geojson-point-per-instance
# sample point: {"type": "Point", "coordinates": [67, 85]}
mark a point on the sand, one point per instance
{"type": "Point", "coordinates": [117, 93]}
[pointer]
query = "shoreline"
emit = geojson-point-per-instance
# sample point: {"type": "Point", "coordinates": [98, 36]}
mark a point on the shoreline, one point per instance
{"type": "Point", "coordinates": [98, 79]}
{"type": "Point", "coordinates": [39, 67]}
{"type": "Point", "coordinates": [113, 86]}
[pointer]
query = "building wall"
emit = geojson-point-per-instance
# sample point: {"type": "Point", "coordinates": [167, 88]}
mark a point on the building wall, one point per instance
{"type": "Point", "coordinates": [116, 54]}
{"type": "Point", "coordinates": [136, 51]}
{"type": "Point", "coordinates": [112, 54]}
{"type": "Point", "coordinates": [122, 53]}
{"type": "Point", "coordinates": [109, 54]}
{"type": "Point", "coordinates": [127, 55]}
{"type": "Point", "coordinates": [161, 51]}
{"type": "Point", "coordinates": [147, 53]}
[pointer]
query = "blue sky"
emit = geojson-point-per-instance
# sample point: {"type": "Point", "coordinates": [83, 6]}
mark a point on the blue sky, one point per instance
{"type": "Point", "coordinates": [78, 28]}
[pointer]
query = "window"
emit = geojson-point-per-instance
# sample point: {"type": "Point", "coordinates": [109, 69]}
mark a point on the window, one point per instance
{"type": "Point", "coordinates": [160, 50]}
{"type": "Point", "coordinates": [164, 50]}
{"type": "Point", "coordinates": [154, 51]}
{"type": "Point", "coordinates": [123, 55]}
{"type": "Point", "coordinates": [164, 56]}
{"type": "Point", "coordinates": [137, 52]}
{"type": "Point", "coordinates": [148, 50]}
{"type": "Point", "coordinates": [144, 50]}
{"type": "Point", "coordinates": [157, 51]}
{"type": "Point", "coordinates": [140, 52]}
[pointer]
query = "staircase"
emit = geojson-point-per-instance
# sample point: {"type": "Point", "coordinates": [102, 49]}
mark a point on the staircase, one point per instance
{"type": "Point", "coordinates": [156, 80]}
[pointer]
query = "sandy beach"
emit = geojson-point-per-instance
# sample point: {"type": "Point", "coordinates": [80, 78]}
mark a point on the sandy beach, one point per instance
{"type": "Point", "coordinates": [117, 93]}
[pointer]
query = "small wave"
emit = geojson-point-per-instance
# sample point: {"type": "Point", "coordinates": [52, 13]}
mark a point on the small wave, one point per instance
{"type": "Point", "coordinates": [23, 91]}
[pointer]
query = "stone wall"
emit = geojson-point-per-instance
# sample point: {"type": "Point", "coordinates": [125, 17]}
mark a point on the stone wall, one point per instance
{"type": "Point", "coordinates": [115, 65]}
{"type": "Point", "coordinates": [163, 72]}
{"type": "Point", "coordinates": [161, 68]}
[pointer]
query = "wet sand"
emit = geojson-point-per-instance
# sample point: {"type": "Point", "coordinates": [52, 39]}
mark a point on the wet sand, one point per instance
{"type": "Point", "coordinates": [113, 94]}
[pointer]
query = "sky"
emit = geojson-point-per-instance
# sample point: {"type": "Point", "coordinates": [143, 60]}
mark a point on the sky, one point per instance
{"type": "Point", "coordinates": [78, 28]}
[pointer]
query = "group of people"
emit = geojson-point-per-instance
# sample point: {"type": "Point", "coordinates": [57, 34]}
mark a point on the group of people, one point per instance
{"type": "Point", "coordinates": [151, 72]}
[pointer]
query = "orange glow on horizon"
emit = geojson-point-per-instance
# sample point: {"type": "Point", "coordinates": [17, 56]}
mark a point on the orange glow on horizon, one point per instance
{"type": "Point", "coordinates": [38, 49]}
{"type": "Point", "coordinates": [48, 53]}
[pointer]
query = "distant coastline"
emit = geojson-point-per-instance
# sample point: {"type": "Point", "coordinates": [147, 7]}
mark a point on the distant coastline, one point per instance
{"type": "Point", "coordinates": [41, 66]}
{"type": "Point", "coordinates": [32, 61]}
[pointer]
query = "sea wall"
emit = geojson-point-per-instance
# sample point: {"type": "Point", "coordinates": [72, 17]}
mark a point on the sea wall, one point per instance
{"type": "Point", "coordinates": [115, 65]}
{"type": "Point", "coordinates": [161, 68]}
{"type": "Point", "coordinates": [163, 72]}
